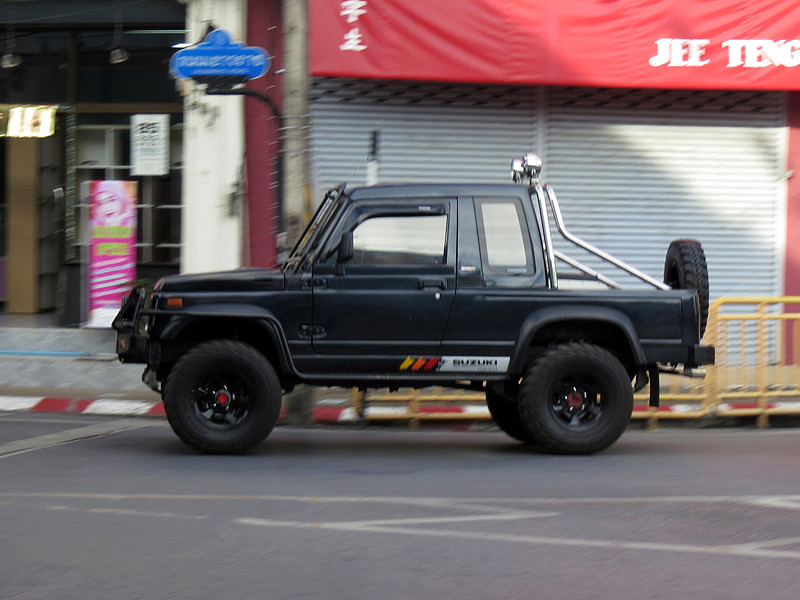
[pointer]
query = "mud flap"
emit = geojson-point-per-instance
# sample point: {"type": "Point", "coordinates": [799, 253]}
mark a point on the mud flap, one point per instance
{"type": "Point", "coordinates": [655, 386]}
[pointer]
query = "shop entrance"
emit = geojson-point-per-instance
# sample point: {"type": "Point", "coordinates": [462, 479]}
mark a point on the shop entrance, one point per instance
{"type": "Point", "coordinates": [30, 224]}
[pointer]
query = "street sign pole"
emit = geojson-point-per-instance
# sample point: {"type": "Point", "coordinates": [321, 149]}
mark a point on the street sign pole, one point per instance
{"type": "Point", "coordinates": [224, 67]}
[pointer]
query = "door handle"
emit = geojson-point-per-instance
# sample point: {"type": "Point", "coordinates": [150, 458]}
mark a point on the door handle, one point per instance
{"type": "Point", "coordinates": [319, 282]}
{"type": "Point", "coordinates": [431, 282]}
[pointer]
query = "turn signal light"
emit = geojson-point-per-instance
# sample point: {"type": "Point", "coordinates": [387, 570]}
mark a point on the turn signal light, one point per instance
{"type": "Point", "coordinates": [174, 302]}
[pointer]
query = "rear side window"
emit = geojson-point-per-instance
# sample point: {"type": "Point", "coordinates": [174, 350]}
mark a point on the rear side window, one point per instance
{"type": "Point", "coordinates": [504, 239]}
{"type": "Point", "coordinates": [400, 240]}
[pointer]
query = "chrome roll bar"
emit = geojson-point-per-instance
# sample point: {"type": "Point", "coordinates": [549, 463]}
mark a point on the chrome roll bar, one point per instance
{"type": "Point", "coordinates": [550, 262]}
{"type": "Point", "coordinates": [550, 194]}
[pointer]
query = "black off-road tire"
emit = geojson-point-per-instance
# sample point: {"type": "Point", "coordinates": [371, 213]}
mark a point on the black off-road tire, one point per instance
{"type": "Point", "coordinates": [506, 416]}
{"type": "Point", "coordinates": [222, 397]}
{"type": "Point", "coordinates": [685, 269]}
{"type": "Point", "coordinates": [577, 398]}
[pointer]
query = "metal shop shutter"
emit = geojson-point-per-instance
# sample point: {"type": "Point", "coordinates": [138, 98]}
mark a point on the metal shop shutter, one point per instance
{"type": "Point", "coordinates": [635, 169]}
{"type": "Point", "coordinates": [426, 134]}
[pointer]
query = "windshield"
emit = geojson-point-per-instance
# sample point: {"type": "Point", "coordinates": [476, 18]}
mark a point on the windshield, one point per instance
{"type": "Point", "coordinates": [308, 245]}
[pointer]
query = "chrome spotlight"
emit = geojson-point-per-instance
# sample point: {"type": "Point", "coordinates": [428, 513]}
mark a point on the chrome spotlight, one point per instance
{"type": "Point", "coordinates": [532, 165]}
{"type": "Point", "coordinates": [517, 172]}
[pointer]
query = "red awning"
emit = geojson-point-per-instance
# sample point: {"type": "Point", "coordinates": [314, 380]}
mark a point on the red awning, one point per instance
{"type": "Point", "coordinates": [705, 44]}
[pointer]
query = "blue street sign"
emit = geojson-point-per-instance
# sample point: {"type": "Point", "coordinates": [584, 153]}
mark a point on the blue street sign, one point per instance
{"type": "Point", "coordinates": [217, 56]}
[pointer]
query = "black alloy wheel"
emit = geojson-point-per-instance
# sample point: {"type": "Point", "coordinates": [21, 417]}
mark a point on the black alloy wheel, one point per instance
{"type": "Point", "coordinates": [222, 399]}
{"type": "Point", "coordinates": [576, 398]}
{"type": "Point", "coordinates": [222, 396]}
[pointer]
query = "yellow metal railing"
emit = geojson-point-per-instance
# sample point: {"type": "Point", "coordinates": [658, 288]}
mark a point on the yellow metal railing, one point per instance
{"type": "Point", "coordinates": [757, 374]}
{"type": "Point", "coordinates": [415, 406]}
{"type": "Point", "coordinates": [758, 357]}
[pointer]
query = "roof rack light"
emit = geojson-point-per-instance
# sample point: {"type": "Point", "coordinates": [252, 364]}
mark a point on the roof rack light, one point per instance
{"type": "Point", "coordinates": [529, 167]}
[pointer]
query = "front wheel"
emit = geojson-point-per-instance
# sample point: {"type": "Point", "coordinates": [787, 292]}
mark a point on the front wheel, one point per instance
{"type": "Point", "coordinates": [222, 397]}
{"type": "Point", "coordinates": [576, 399]}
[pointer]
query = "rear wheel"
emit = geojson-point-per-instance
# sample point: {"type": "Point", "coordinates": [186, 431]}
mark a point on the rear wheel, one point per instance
{"type": "Point", "coordinates": [685, 268]}
{"type": "Point", "coordinates": [576, 399]}
{"type": "Point", "coordinates": [506, 416]}
{"type": "Point", "coordinates": [222, 397]}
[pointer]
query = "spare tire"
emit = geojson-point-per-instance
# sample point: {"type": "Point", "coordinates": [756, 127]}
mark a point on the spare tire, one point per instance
{"type": "Point", "coordinates": [685, 269]}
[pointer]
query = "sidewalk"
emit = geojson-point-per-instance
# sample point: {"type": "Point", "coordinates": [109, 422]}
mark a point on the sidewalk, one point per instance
{"type": "Point", "coordinates": [75, 371]}
{"type": "Point", "coordinates": [331, 408]}
{"type": "Point", "coordinates": [45, 368]}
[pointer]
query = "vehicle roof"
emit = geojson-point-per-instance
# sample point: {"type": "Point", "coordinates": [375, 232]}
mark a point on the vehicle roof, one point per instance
{"type": "Point", "coordinates": [426, 190]}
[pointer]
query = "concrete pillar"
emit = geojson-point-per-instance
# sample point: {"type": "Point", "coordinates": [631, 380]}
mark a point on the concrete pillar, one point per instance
{"type": "Point", "coordinates": [22, 206]}
{"type": "Point", "coordinates": [211, 228]}
{"type": "Point", "coordinates": [296, 164]}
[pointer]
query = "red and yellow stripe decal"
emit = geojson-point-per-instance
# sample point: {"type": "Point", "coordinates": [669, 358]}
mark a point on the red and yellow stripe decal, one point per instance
{"type": "Point", "coordinates": [413, 363]}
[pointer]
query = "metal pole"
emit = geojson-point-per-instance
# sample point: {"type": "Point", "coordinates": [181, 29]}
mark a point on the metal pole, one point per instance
{"type": "Point", "coordinates": [296, 209]}
{"type": "Point", "coordinates": [70, 183]}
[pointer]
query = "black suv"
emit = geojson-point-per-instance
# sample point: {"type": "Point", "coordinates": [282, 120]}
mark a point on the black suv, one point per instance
{"type": "Point", "coordinates": [417, 285]}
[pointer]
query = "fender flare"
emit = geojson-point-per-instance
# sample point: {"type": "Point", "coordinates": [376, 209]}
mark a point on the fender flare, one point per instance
{"type": "Point", "coordinates": [256, 315]}
{"type": "Point", "coordinates": [566, 314]}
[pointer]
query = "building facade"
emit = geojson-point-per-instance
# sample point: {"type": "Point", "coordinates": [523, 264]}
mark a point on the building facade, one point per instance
{"type": "Point", "coordinates": [85, 69]}
{"type": "Point", "coordinates": [655, 120]}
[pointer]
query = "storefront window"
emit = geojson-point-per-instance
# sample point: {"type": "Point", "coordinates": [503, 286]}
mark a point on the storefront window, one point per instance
{"type": "Point", "coordinates": [104, 153]}
{"type": "Point", "coordinates": [66, 60]}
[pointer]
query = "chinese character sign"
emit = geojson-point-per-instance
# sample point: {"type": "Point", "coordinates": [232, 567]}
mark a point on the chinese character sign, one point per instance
{"type": "Point", "coordinates": [713, 44]}
{"type": "Point", "coordinates": [352, 11]}
{"type": "Point", "coordinates": [112, 247]}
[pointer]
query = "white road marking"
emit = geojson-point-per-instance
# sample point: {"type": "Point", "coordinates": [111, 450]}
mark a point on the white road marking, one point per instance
{"type": "Point", "coordinates": [145, 513]}
{"type": "Point", "coordinates": [488, 506]}
{"type": "Point", "coordinates": [460, 519]}
{"type": "Point", "coordinates": [767, 543]}
{"type": "Point", "coordinates": [777, 502]}
{"type": "Point", "coordinates": [532, 539]}
{"type": "Point", "coordinates": [65, 437]}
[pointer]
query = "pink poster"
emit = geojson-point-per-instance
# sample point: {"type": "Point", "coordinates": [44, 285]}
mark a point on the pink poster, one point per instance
{"type": "Point", "coordinates": [112, 247]}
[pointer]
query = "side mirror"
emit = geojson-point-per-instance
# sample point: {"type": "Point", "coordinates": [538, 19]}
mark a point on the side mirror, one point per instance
{"type": "Point", "coordinates": [345, 248]}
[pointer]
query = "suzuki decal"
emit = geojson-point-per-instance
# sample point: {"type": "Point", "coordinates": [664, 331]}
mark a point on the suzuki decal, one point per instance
{"type": "Point", "coordinates": [455, 364]}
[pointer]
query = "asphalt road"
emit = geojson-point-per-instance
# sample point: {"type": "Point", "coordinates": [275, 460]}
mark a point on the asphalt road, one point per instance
{"type": "Point", "coordinates": [119, 508]}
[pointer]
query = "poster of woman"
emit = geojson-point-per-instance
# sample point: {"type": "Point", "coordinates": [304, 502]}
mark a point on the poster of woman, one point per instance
{"type": "Point", "coordinates": [112, 247]}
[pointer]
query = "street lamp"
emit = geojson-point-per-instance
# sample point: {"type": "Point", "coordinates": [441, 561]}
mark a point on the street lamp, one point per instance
{"type": "Point", "coordinates": [118, 54]}
{"type": "Point", "coordinates": [10, 58]}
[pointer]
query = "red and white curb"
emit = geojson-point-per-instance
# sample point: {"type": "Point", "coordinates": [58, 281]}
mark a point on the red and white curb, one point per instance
{"type": "Point", "coordinates": [325, 411]}
{"type": "Point", "coordinates": [330, 411]}
{"type": "Point", "coordinates": [788, 406]}
{"type": "Point", "coordinates": [76, 406]}
{"type": "Point", "coordinates": [687, 407]}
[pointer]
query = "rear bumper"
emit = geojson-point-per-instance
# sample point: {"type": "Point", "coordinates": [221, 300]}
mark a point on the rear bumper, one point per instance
{"type": "Point", "coordinates": [703, 355]}
{"type": "Point", "coordinates": [692, 355]}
